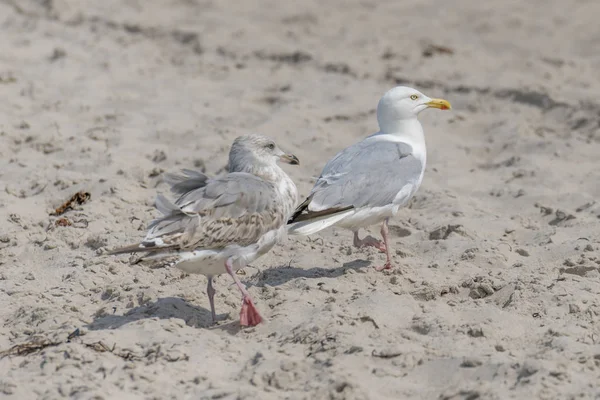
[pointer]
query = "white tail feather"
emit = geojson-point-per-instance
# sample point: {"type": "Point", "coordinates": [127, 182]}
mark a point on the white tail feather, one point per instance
{"type": "Point", "coordinates": [317, 224]}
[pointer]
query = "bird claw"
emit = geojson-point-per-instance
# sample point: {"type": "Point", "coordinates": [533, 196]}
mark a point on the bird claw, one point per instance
{"type": "Point", "coordinates": [387, 265]}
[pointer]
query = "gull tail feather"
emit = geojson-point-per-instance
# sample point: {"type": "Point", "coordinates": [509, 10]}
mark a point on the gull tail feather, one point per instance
{"type": "Point", "coordinates": [155, 246]}
{"type": "Point", "coordinates": [163, 233]}
{"type": "Point", "coordinates": [185, 182]}
{"type": "Point", "coordinates": [314, 223]}
{"type": "Point", "coordinates": [165, 206]}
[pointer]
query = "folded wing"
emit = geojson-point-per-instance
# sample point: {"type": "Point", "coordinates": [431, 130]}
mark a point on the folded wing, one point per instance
{"type": "Point", "coordinates": [236, 209]}
{"type": "Point", "coordinates": [369, 173]}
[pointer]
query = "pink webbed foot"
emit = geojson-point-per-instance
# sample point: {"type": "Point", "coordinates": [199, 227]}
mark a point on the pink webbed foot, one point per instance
{"type": "Point", "coordinates": [249, 315]}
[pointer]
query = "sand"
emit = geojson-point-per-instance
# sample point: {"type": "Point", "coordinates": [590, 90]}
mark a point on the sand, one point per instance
{"type": "Point", "coordinates": [495, 294]}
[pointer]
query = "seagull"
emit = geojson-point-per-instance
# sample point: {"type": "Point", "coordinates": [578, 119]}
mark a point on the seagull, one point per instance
{"type": "Point", "coordinates": [220, 225]}
{"type": "Point", "coordinates": [368, 182]}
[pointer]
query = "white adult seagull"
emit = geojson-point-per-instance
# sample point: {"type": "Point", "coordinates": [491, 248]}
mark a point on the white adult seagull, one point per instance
{"type": "Point", "coordinates": [368, 182]}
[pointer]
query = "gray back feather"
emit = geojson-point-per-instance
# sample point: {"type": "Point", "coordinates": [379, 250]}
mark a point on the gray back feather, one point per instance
{"type": "Point", "coordinates": [368, 173]}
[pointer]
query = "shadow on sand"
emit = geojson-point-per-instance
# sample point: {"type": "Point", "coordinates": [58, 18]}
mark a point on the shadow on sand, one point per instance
{"type": "Point", "coordinates": [199, 317]}
{"type": "Point", "coordinates": [280, 275]}
{"type": "Point", "coordinates": [166, 308]}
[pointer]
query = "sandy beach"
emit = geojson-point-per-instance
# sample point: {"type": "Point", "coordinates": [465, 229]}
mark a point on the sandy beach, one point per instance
{"type": "Point", "coordinates": [495, 294]}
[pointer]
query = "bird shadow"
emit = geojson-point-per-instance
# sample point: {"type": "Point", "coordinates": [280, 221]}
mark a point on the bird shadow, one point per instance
{"type": "Point", "coordinates": [200, 317]}
{"type": "Point", "coordinates": [166, 308]}
{"type": "Point", "coordinates": [280, 275]}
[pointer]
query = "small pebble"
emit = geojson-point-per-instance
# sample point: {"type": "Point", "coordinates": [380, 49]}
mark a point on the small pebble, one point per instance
{"type": "Point", "coordinates": [522, 252]}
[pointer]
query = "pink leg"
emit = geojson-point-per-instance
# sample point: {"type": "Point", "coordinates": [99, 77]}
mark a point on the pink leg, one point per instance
{"type": "Point", "coordinates": [211, 298]}
{"type": "Point", "coordinates": [384, 234]}
{"type": "Point", "coordinates": [368, 241]}
{"type": "Point", "coordinates": [249, 315]}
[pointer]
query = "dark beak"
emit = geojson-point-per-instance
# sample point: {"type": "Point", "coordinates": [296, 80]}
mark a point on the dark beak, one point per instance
{"type": "Point", "coordinates": [290, 159]}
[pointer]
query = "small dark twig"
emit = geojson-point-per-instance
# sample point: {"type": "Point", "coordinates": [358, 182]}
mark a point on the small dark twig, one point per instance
{"type": "Point", "coordinates": [24, 349]}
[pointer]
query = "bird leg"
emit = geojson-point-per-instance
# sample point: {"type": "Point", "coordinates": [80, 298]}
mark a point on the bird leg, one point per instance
{"type": "Point", "coordinates": [384, 234]}
{"type": "Point", "coordinates": [249, 315]}
{"type": "Point", "coordinates": [211, 298]}
{"type": "Point", "coordinates": [369, 241]}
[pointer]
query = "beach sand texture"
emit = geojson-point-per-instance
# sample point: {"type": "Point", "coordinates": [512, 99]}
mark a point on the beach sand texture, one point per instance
{"type": "Point", "coordinates": [495, 293]}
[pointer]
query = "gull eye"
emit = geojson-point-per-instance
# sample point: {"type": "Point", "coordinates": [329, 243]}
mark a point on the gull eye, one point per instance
{"type": "Point", "coordinates": [270, 146]}
{"type": "Point", "coordinates": [414, 97]}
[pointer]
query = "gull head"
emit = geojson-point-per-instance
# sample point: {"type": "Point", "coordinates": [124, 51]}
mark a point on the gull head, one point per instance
{"type": "Point", "coordinates": [251, 151]}
{"type": "Point", "coordinates": [403, 102]}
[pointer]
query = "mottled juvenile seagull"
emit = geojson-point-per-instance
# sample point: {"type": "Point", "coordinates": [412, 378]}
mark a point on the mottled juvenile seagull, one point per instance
{"type": "Point", "coordinates": [221, 224]}
{"type": "Point", "coordinates": [368, 182]}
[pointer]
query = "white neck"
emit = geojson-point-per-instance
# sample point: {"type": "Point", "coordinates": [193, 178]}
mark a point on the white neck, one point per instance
{"type": "Point", "coordinates": [408, 131]}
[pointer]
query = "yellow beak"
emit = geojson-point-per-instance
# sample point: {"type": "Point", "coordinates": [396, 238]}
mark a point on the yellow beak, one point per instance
{"type": "Point", "coordinates": [439, 103]}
